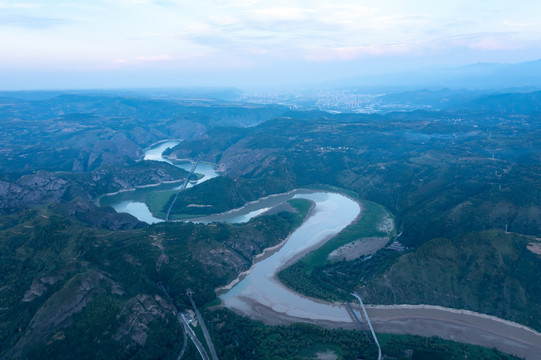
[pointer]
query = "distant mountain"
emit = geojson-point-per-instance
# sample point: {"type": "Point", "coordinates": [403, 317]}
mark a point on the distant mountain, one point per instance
{"type": "Point", "coordinates": [480, 76]}
{"type": "Point", "coordinates": [433, 99]}
{"type": "Point", "coordinates": [518, 103]}
{"type": "Point", "coordinates": [474, 100]}
{"type": "Point", "coordinates": [222, 94]}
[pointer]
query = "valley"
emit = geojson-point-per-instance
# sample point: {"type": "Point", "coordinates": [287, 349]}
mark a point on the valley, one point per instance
{"type": "Point", "coordinates": [448, 203]}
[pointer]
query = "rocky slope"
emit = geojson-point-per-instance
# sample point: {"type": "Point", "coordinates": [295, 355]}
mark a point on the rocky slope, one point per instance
{"type": "Point", "coordinates": [74, 290]}
{"type": "Point", "coordinates": [45, 187]}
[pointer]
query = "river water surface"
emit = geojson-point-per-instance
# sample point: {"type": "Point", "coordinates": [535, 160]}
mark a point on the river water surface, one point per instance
{"type": "Point", "coordinates": [260, 295]}
{"type": "Point", "coordinates": [332, 213]}
{"type": "Point", "coordinates": [133, 202]}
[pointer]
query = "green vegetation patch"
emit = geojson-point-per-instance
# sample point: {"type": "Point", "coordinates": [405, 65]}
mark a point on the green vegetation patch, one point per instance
{"type": "Point", "coordinates": [96, 323]}
{"type": "Point", "coordinates": [412, 347]}
{"type": "Point", "coordinates": [241, 338]}
{"type": "Point", "coordinates": [157, 201]}
{"type": "Point", "coordinates": [372, 215]}
{"type": "Point", "coordinates": [489, 272]}
{"type": "Point", "coordinates": [303, 207]}
{"type": "Point", "coordinates": [76, 280]}
{"type": "Point", "coordinates": [238, 337]}
{"type": "Point", "coordinates": [223, 193]}
{"type": "Point", "coordinates": [312, 275]}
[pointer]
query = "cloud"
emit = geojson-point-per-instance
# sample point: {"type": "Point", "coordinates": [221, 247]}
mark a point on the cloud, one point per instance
{"type": "Point", "coordinates": [83, 7]}
{"type": "Point", "coordinates": [175, 34]}
{"type": "Point", "coordinates": [225, 20]}
{"type": "Point", "coordinates": [520, 25]}
{"type": "Point", "coordinates": [356, 52]}
{"type": "Point", "coordinates": [163, 3]}
{"type": "Point", "coordinates": [4, 5]}
{"type": "Point", "coordinates": [486, 41]}
{"type": "Point", "coordinates": [138, 2]}
{"type": "Point", "coordinates": [31, 22]}
{"type": "Point", "coordinates": [154, 58]}
{"type": "Point", "coordinates": [491, 43]}
{"type": "Point", "coordinates": [279, 14]}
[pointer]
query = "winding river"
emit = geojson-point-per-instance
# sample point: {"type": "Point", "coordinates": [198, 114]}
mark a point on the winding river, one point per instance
{"type": "Point", "coordinates": [133, 201]}
{"type": "Point", "coordinates": [155, 153]}
{"type": "Point", "coordinates": [260, 295]}
{"type": "Point", "coordinates": [331, 213]}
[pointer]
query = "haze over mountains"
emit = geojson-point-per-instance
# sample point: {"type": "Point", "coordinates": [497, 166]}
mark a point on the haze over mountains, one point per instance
{"type": "Point", "coordinates": [451, 160]}
{"type": "Point", "coordinates": [521, 76]}
{"type": "Point", "coordinates": [421, 88]}
{"type": "Point", "coordinates": [479, 76]}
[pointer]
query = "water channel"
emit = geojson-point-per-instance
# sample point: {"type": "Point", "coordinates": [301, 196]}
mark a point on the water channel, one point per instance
{"type": "Point", "coordinates": [331, 213]}
{"type": "Point", "coordinates": [133, 201]}
{"type": "Point", "coordinates": [260, 295]}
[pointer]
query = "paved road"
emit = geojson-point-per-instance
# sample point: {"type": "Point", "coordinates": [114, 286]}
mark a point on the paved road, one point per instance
{"type": "Point", "coordinates": [186, 329]}
{"type": "Point", "coordinates": [356, 319]}
{"type": "Point", "coordinates": [181, 189]}
{"type": "Point", "coordinates": [204, 328]}
{"type": "Point", "coordinates": [369, 324]}
{"type": "Point", "coordinates": [194, 338]}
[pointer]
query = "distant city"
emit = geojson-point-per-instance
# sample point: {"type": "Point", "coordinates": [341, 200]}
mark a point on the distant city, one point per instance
{"type": "Point", "coordinates": [331, 100]}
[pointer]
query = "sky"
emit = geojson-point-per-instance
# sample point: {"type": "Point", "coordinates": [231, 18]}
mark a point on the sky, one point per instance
{"type": "Point", "coordinates": [59, 44]}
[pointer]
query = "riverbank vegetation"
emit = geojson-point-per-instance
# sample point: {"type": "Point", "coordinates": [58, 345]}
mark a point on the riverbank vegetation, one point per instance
{"type": "Point", "coordinates": [157, 201]}
{"type": "Point", "coordinates": [489, 272]}
{"type": "Point", "coordinates": [396, 347]}
{"type": "Point", "coordinates": [315, 276]}
{"type": "Point", "coordinates": [302, 208]}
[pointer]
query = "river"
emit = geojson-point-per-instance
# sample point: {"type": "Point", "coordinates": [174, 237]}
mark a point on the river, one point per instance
{"type": "Point", "coordinates": [155, 153]}
{"type": "Point", "coordinates": [331, 213]}
{"type": "Point", "coordinates": [260, 295]}
{"type": "Point", "coordinates": [133, 201]}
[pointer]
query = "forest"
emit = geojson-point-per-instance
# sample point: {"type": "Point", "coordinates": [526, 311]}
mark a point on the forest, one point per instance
{"type": "Point", "coordinates": [462, 186]}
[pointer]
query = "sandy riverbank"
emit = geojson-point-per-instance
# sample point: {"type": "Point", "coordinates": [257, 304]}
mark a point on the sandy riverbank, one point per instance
{"type": "Point", "coordinates": [450, 324]}
{"type": "Point", "coordinates": [362, 247]}
{"type": "Point", "coordinates": [458, 325]}
{"type": "Point", "coordinates": [317, 245]}
{"type": "Point", "coordinates": [260, 257]}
